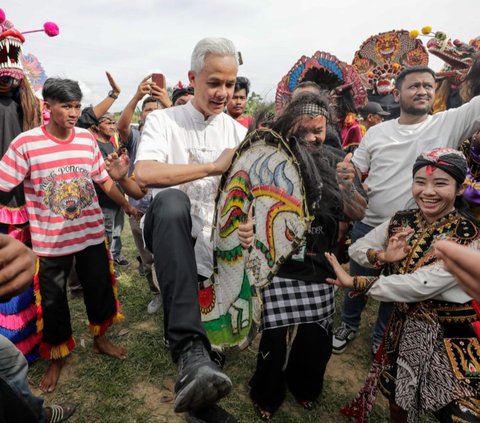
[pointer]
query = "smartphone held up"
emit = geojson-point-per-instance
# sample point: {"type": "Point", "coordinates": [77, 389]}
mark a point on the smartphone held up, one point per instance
{"type": "Point", "coordinates": [159, 79]}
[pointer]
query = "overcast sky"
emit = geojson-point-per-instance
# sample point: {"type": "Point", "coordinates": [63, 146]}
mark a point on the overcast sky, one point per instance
{"type": "Point", "coordinates": [134, 38]}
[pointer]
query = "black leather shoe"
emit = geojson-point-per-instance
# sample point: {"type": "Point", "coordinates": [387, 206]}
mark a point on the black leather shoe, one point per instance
{"type": "Point", "coordinates": [200, 382]}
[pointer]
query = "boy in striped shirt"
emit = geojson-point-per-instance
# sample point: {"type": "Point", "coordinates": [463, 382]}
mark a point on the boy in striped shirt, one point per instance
{"type": "Point", "coordinates": [57, 164]}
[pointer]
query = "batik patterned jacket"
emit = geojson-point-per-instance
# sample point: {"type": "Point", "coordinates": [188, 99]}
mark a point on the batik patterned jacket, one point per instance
{"type": "Point", "coordinates": [431, 355]}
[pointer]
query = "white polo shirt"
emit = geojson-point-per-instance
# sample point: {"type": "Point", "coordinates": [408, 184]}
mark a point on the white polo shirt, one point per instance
{"type": "Point", "coordinates": [181, 135]}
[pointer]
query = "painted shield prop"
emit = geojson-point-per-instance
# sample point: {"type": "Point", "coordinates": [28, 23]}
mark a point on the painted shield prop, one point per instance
{"type": "Point", "coordinates": [265, 175]}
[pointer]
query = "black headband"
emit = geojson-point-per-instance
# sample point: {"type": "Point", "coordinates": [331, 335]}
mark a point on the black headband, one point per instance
{"type": "Point", "coordinates": [313, 110]}
{"type": "Point", "coordinates": [447, 159]}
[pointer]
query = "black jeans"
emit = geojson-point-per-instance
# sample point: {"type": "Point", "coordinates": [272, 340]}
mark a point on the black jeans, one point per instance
{"type": "Point", "coordinates": [93, 271]}
{"type": "Point", "coordinates": [167, 233]}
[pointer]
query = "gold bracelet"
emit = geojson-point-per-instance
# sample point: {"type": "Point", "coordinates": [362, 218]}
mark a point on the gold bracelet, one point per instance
{"type": "Point", "coordinates": [372, 257]}
{"type": "Point", "coordinates": [362, 284]}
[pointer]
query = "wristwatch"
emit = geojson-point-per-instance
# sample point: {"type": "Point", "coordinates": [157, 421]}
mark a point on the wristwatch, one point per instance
{"type": "Point", "coordinates": [112, 94]}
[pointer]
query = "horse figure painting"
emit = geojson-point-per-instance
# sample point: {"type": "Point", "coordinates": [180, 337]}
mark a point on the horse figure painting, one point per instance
{"type": "Point", "coordinates": [266, 176]}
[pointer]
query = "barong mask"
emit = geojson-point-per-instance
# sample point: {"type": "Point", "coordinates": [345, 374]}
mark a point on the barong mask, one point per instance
{"type": "Point", "coordinates": [458, 56]}
{"type": "Point", "coordinates": [382, 57]}
{"type": "Point", "coordinates": [11, 57]}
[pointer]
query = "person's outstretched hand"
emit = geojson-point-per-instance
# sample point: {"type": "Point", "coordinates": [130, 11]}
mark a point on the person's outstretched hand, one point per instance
{"type": "Point", "coordinates": [133, 211]}
{"type": "Point", "coordinates": [115, 88]}
{"type": "Point", "coordinates": [345, 172]}
{"type": "Point", "coordinates": [461, 262]}
{"type": "Point", "coordinates": [343, 278]}
{"type": "Point", "coordinates": [143, 88]}
{"type": "Point", "coordinates": [17, 266]}
{"type": "Point", "coordinates": [161, 94]}
{"type": "Point", "coordinates": [117, 166]}
{"type": "Point", "coordinates": [398, 247]}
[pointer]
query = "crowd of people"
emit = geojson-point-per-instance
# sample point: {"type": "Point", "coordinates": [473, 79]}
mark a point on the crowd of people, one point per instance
{"type": "Point", "coordinates": [393, 189]}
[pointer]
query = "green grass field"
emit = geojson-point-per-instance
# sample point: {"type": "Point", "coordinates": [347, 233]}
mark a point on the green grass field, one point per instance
{"type": "Point", "coordinates": [140, 388]}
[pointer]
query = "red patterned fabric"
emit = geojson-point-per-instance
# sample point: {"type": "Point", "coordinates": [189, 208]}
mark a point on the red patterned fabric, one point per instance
{"type": "Point", "coordinates": [362, 405]}
{"type": "Point", "coordinates": [476, 325]}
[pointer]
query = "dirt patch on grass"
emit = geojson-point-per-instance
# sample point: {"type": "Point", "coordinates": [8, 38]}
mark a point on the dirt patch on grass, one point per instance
{"type": "Point", "coordinates": [145, 326]}
{"type": "Point", "coordinates": [343, 369]}
{"type": "Point", "coordinates": [158, 401]}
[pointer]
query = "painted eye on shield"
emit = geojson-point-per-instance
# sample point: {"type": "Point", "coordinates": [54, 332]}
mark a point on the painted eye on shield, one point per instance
{"type": "Point", "coordinates": [289, 234]}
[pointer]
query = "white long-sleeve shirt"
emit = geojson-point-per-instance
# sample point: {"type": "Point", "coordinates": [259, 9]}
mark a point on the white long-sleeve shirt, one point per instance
{"type": "Point", "coordinates": [429, 282]}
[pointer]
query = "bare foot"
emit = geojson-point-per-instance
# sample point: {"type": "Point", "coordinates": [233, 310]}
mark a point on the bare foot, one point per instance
{"type": "Point", "coordinates": [101, 345]}
{"type": "Point", "coordinates": [50, 378]}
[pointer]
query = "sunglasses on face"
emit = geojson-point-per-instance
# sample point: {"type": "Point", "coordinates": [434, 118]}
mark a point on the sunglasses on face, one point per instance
{"type": "Point", "coordinates": [8, 81]}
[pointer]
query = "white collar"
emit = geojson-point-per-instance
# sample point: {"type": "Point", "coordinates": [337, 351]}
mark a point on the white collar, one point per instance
{"type": "Point", "coordinates": [198, 116]}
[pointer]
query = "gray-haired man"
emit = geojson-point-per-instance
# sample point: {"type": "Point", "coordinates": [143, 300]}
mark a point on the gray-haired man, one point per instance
{"type": "Point", "coordinates": [185, 149]}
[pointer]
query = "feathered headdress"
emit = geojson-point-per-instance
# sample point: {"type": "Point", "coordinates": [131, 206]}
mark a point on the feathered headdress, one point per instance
{"type": "Point", "coordinates": [325, 70]}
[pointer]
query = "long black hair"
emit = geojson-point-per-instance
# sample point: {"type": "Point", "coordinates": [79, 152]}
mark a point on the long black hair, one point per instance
{"type": "Point", "coordinates": [318, 161]}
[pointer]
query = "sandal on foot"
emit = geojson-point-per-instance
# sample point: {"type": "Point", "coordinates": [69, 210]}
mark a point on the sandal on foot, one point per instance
{"type": "Point", "coordinates": [261, 413]}
{"type": "Point", "coordinates": [307, 405]}
{"type": "Point", "coordinates": [59, 413]}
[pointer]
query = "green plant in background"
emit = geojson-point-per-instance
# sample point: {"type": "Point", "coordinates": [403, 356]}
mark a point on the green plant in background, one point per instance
{"type": "Point", "coordinates": [256, 103]}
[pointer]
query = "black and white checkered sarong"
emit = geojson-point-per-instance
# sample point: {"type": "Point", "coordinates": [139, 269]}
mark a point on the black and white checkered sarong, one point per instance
{"type": "Point", "coordinates": [288, 302]}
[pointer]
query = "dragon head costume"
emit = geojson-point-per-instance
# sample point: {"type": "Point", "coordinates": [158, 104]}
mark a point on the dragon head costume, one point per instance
{"type": "Point", "coordinates": [459, 78]}
{"type": "Point", "coordinates": [11, 42]}
{"type": "Point", "coordinates": [14, 81]}
{"type": "Point", "coordinates": [458, 56]}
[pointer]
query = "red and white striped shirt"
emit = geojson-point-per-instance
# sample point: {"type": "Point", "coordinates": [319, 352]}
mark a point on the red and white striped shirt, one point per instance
{"type": "Point", "coordinates": [60, 198]}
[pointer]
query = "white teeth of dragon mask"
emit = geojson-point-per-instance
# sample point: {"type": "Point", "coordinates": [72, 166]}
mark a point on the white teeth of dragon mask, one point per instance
{"type": "Point", "coordinates": [11, 42]}
{"type": "Point", "coordinates": [458, 56]}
